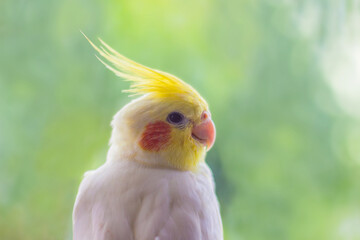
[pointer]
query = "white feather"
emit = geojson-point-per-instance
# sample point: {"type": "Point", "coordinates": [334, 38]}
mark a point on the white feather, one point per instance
{"type": "Point", "coordinates": [127, 200]}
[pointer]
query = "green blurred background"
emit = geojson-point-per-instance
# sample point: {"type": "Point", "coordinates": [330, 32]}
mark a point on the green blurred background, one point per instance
{"type": "Point", "coordinates": [282, 79]}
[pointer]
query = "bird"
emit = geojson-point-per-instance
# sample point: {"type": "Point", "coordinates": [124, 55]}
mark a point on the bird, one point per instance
{"type": "Point", "coordinates": [155, 183]}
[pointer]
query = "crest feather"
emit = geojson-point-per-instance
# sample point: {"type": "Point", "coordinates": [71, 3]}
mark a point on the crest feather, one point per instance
{"type": "Point", "coordinates": [145, 80]}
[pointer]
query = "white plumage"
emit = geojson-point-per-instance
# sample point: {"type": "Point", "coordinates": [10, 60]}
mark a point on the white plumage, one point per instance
{"type": "Point", "coordinates": [126, 200]}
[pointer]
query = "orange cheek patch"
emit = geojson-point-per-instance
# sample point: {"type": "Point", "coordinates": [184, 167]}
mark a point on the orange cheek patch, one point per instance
{"type": "Point", "coordinates": [155, 137]}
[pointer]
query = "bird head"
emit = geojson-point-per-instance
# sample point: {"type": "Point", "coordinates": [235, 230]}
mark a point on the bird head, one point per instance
{"type": "Point", "coordinates": [169, 125]}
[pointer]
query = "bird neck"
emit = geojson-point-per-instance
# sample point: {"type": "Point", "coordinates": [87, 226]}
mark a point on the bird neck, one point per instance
{"type": "Point", "coordinates": [153, 160]}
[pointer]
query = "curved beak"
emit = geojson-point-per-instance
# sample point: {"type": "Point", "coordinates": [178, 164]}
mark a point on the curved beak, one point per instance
{"type": "Point", "coordinates": [205, 132]}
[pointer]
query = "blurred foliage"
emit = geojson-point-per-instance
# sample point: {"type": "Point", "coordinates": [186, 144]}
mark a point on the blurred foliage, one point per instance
{"type": "Point", "coordinates": [287, 156]}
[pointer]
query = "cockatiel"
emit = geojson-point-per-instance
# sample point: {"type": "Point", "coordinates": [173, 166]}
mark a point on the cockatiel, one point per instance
{"type": "Point", "coordinates": [155, 184]}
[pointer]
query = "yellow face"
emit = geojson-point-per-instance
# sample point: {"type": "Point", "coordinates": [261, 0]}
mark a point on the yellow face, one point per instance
{"type": "Point", "coordinates": [177, 131]}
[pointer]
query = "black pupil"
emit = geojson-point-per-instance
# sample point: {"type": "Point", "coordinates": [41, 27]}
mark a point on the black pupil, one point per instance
{"type": "Point", "coordinates": [175, 117]}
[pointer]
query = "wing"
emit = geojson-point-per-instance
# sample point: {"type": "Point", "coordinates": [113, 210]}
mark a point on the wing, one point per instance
{"type": "Point", "coordinates": [94, 215]}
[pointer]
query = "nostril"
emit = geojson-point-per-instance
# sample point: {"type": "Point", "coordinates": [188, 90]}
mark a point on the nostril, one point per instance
{"type": "Point", "coordinates": [204, 115]}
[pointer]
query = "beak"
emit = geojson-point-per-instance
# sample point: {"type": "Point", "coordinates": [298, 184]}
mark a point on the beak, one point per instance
{"type": "Point", "coordinates": [205, 132]}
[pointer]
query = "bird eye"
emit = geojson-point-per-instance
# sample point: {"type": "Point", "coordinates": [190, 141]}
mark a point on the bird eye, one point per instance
{"type": "Point", "coordinates": [175, 118]}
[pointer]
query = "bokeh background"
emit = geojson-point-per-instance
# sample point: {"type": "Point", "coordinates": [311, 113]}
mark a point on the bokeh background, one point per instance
{"type": "Point", "coordinates": [282, 78]}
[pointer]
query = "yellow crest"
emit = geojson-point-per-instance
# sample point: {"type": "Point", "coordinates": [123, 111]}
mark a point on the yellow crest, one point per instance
{"type": "Point", "coordinates": [146, 80]}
